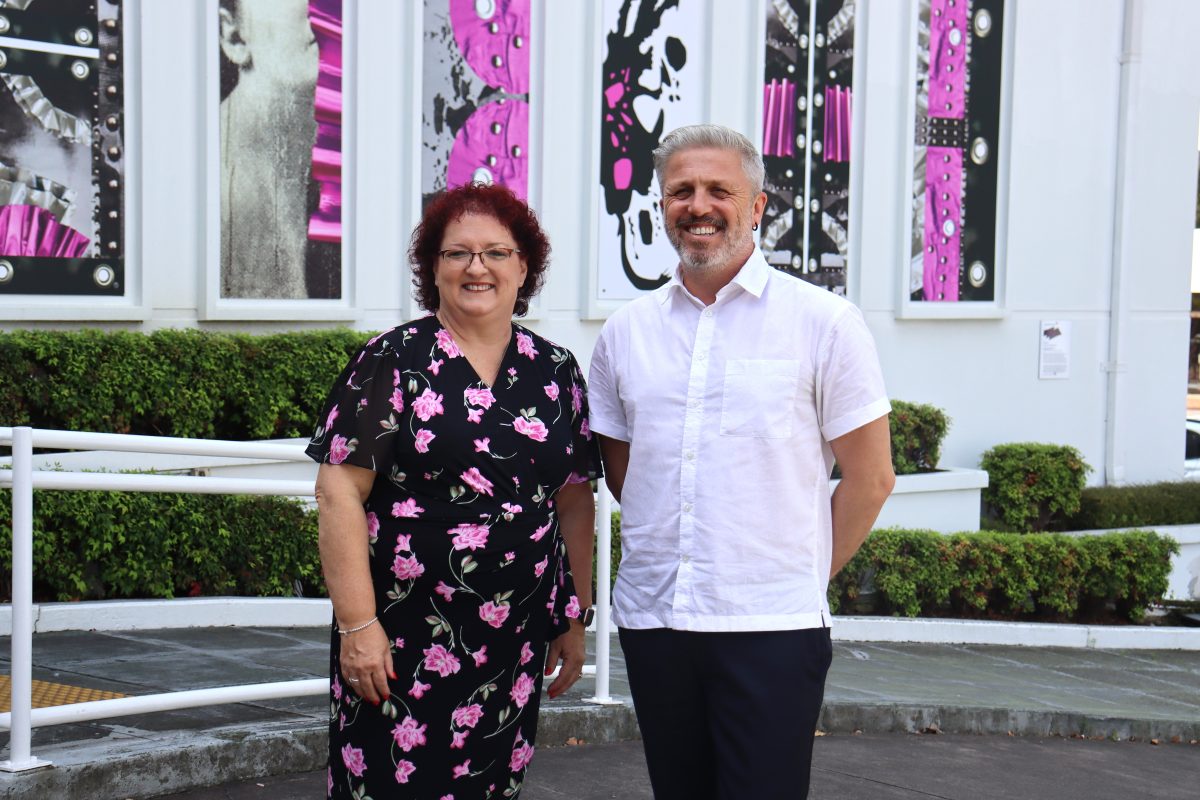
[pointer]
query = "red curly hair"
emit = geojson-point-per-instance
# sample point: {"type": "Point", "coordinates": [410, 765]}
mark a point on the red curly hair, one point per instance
{"type": "Point", "coordinates": [494, 201]}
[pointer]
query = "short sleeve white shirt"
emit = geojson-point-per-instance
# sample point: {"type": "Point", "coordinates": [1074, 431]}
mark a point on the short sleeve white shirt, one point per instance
{"type": "Point", "coordinates": [729, 410]}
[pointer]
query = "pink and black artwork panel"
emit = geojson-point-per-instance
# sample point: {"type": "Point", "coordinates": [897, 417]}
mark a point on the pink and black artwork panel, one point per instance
{"type": "Point", "coordinates": [955, 180]}
{"type": "Point", "coordinates": [476, 82]}
{"type": "Point", "coordinates": [806, 138]}
{"type": "Point", "coordinates": [62, 149]}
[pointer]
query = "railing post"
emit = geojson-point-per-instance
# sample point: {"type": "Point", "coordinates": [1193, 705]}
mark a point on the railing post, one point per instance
{"type": "Point", "coordinates": [20, 736]}
{"type": "Point", "coordinates": [601, 600]}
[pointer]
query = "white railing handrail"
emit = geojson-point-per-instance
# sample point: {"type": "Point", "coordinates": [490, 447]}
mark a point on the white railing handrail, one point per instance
{"type": "Point", "coordinates": [23, 479]}
{"type": "Point", "coordinates": [168, 445]}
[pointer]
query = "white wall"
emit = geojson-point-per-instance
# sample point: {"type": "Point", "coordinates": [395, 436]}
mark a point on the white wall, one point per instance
{"type": "Point", "coordinates": [1089, 201]}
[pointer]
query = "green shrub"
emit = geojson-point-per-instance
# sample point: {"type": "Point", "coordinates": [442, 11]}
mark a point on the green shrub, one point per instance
{"type": "Point", "coordinates": [1138, 506]}
{"type": "Point", "coordinates": [98, 545]}
{"type": "Point", "coordinates": [1032, 486]}
{"type": "Point", "coordinates": [171, 382]}
{"type": "Point", "coordinates": [917, 433]}
{"type": "Point", "coordinates": [1045, 576]}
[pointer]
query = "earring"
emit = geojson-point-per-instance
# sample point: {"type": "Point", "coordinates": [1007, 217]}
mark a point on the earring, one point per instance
{"type": "Point", "coordinates": [754, 227]}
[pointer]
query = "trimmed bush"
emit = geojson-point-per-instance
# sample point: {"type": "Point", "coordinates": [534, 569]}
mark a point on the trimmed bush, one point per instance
{"type": "Point", "coordinates": [106, 545]}
{"type": "Point", "coordinates": [1033, 486]}
{"type": "Point", "coordinates": [1138, 506]}
{"type": "Point", "coordinates": [918, 430]}
{"type": "Point", "coordinates": [171, 382]}
{"type": "Point", "coordinates": [1035, 577]}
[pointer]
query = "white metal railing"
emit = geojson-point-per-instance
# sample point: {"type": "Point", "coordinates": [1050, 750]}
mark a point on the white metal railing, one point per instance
{"type": "Point", "coordinates": [24, 479]}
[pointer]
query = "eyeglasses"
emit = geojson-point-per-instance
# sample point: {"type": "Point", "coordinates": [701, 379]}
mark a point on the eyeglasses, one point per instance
{"type": "Point", "coordinates": [495, 256]}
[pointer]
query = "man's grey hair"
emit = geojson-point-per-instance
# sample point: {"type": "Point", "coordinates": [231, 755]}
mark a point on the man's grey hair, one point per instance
{"type": "Point", "coordinates": [719, 137]}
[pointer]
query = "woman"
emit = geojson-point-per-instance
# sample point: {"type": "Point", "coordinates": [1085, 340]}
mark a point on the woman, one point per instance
{"type": "Point", "coordinates": [455, 459]}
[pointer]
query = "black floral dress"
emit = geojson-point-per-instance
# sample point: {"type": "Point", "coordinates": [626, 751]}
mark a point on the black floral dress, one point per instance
{"type": "Point", "coordinates": [469, 568]}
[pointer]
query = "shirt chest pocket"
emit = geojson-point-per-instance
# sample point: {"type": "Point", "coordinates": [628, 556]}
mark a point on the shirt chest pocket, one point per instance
{"type": "Point", "coordinates": [759, 398]}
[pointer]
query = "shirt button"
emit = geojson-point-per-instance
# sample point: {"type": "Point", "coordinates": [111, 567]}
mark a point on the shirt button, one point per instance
{"type": "Point", "coordinates": [685, 558]}
{"type": "Point", "coordinates": [708, 312]}
{"type": "Point", "coordinates": [687, 508]}
{"type": "Point", "coordinates": [690, 456]}
{"type": "Point", "coordinates": [693, 403]}
{"type": "Point", "coordinates": [701, 355]}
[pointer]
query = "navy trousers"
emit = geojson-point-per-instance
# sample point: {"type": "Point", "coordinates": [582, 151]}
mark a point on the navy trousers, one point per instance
{"type": "Point", "coordinates": [727, 716]}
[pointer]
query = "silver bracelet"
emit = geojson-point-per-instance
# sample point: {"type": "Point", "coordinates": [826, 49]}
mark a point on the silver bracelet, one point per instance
{"type": "Point", "coordinates": [366, 624]}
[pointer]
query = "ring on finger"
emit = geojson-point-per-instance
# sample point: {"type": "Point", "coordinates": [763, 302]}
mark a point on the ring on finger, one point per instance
{"type": "Point", "coordinates": [353, 680]}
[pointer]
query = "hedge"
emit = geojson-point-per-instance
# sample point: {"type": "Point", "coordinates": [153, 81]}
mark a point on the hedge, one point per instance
{"type": "Point", "coordinates": [107, 545]}
{"type": "Point", "coordinates": [1037, 577]}
{"type": "Point", "coordinates": [1041, 577]}
{"type": "Point", "coordinates": [171, 382]}
{"type": "Point", "coordinates": [1138, 506]}
{"type": "Point", "coordinates": [1033, 486]}
{"type": "Point", "coordinates": [917, 433]}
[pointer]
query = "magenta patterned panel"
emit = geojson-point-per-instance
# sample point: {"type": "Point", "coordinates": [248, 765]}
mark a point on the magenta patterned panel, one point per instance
{"type": "Point", "coordinates": [325, 224]}
{"type": "Point", "coordinates": [496, 48]}
{"type": "Point", "coordinates": [33, 231]}
{"type": "Point", "coordinates": [838, 104]}
{"type": "Point", "coordinates": [496, 135]}
{"type": "Point", "coordinates": [943, 214]}
{"type": "Point", "coordinates": [779, 99]}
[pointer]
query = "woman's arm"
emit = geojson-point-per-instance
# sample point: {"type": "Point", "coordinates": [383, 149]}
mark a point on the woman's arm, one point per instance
{"type": "Point", "coordinates": [577, 522]}
{"type": "Point", "coordinates": [342, 536]}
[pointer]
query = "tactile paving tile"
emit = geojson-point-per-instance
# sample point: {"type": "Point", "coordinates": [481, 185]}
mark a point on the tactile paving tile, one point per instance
{"type": "Point", "coordinates": [46, 694]}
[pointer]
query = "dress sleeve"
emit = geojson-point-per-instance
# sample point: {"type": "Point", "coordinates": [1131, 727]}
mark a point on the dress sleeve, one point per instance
{"type": "Point", "coordinates": [358, 423]}
{"type": "Point", "coordinates": [584, 447]}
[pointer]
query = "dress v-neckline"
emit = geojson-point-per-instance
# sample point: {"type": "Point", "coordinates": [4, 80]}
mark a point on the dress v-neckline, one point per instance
{"type": "Point", "coordinates": [490, 385]}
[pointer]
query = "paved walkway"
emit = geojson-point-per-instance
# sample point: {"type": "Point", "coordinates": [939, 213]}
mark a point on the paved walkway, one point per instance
{"type": "Point", "coordinates": [872, 688]}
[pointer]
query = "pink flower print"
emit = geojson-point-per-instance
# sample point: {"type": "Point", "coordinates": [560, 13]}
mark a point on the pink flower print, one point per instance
{"type": "Point", "coordinates": [342, 721]}
{"type": "Point", "coordinates": [404, 768]}
{"type": "Point", "coordinates": [540, 532]}
{"type": "Point", "coordinates": [418, 689]}
{"type": "Point", "coordinates": [573, 607]}
{"type": "Point", "coordinates": [521, 756]}
{"type": "Point", "coordinates": [336, 688]}
{"type": "Point", "coordinates": [460, 740]}
{"type": "Point", "coordinates": [395, 377]}
{"type": "Point", "coordinates": [440, 660]}
{"type": "Point", "coordinates": [480, 397]}
{"type": "Point", "coordinates": [540, 566]}
{"type": "Point", "coordinates": [372, 525]}
{"type": "Point", "coordinates": [329, 780]}
{"type": "Point", "coordinates": [533, 428]}
{"type": "Point", "coordinates": [493, 614]}
{"type": "Point", "coordinates": [576, 398]}
{"type": "Point", "coordinates": [467, 716]}
{"type": "Point", "coordinates": [521, 690]}
{"type": "Point", "coordinates": [446, 342]}
{"type": "Point", "coordinates": [510, 556]}
{"type": "Point", "coordinates": [512, 372]}
{"type": "Point", "coordinates": [424, 437]}
{"type": "Point", "coordinates": [480, 656]}
{"type": "Point", "coordinates": [475, 415]}
{"type": "Point", "coordinates": [585, 429]}
{"type": "Point", "coordinates": [445, 591]}
{"type": "Point", "coordinates": [407, 568]}
{"type": "Point", "coordinates": [333, 414]}
{"type": "Point", "coordinates": [352, 757]}
{"type": "Point", "coordinates": [463, 769]}
{"type": "Point", "coordinates": [474, 478]}
{"type": "Point", "coordinates": [469, 535]}
{"type": "Point", "coordinates": [511, 508]}
{"type": "Point", "coordinates": [526, 654]}
{"type": "Point", "coordinates": [412, 330]}
{"type": "Point", "coordinates": [340, 448]}
{"type": "Point", "coordinates": [399, 643]}
{"type": "Point", "coordinates": [403, 543]}
{"type": "Point", "coordinates": [408, 508]}
{"type": "Point", "coordinates": [397, 401]}
{"type": "Point", "coordinates": [482, 445]}
{"type": "Point", "coordinates": [525, 345]}
{"type": "Point", "coordinates": [408, 734]}
{"type": "Point", "coordinates": [552, 390]}
{"type": "Point", "coordinates": [435, 366]}
{"type": "Point", "coordinates": [428, 405]}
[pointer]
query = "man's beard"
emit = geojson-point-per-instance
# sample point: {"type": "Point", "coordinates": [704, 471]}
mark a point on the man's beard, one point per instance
{"type": "Point", "coordinates": [709, 259]}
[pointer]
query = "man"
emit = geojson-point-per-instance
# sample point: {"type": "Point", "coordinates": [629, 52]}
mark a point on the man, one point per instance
{"type": "Point", "coordinates": [722, 400]}
{"type": "Point", "coordinates": [269, 64]}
